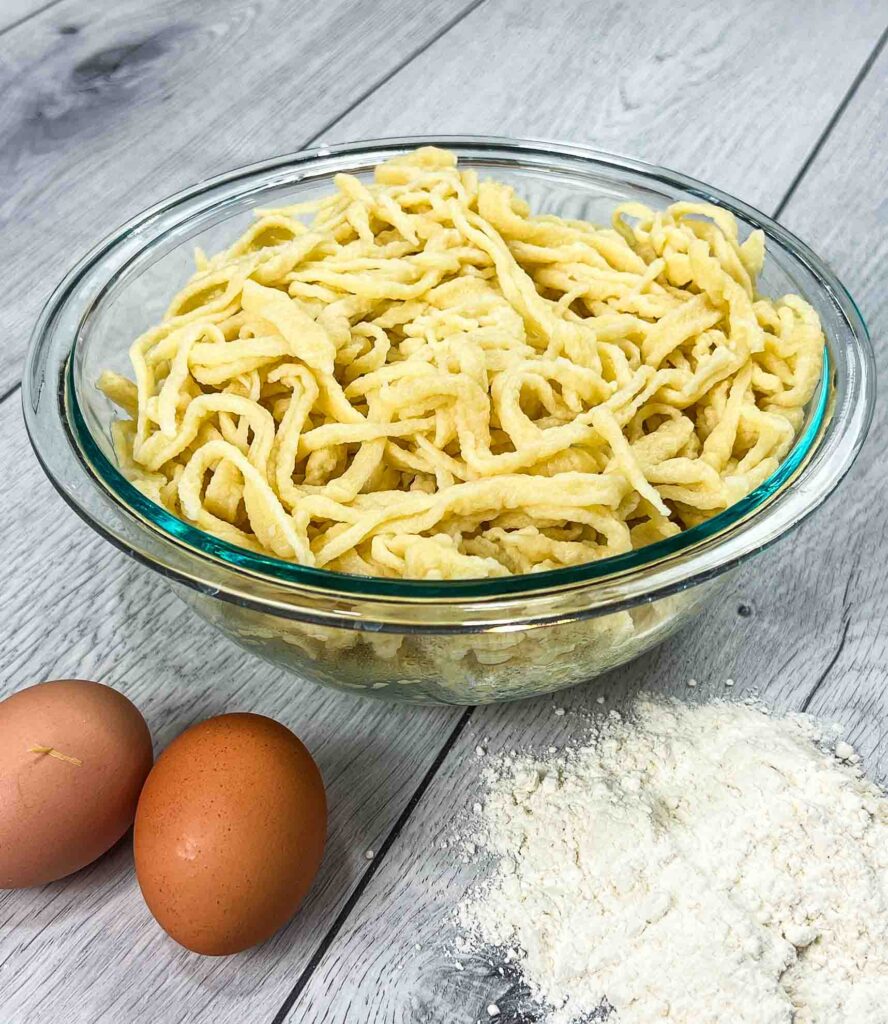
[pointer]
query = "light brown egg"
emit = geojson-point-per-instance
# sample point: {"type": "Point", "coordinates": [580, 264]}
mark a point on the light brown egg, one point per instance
{"type": "Point", "coordinates": [73, 757]}
{"type": "Point", "coordinates": [229, 834]}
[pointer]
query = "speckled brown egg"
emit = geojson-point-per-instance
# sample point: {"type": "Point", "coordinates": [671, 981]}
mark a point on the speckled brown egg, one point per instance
{"type": "Point", "coordinates": [73, 757]}
{"type": "Point", "coordinates": [229, 832]}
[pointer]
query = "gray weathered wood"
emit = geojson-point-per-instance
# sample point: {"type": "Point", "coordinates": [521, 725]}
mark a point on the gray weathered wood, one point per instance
{"type": "Point", "coordinates": [15, 12]}
{"type": "Point", "coordinates": [840, 209]}
{"type": "Point", "coordinates": [85, 950]}
{"type": "Point", "coordinates": [146, 98]}
{"type": "Point", "coordinates": [723, 91]}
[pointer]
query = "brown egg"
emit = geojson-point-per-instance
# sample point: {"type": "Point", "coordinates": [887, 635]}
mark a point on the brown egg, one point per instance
{"type": "Point", "coordinates": [73, 757]}
{"type": "Point", "coordinates": [229, 832]}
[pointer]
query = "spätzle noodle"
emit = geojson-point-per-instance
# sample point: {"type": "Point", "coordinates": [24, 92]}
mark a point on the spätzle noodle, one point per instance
{"type": "Point", "coordinates": [467, 668]}
{"type": "Point", "coordinates": [429, 382]}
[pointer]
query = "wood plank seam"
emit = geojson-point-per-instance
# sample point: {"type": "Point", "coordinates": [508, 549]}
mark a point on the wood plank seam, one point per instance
{"type": "Point", "coordinates": [824, 675]}
{"type": "Point", "coordinates": [22, 21]}
{"type": "Point", "coordinates": [367, 877]}
{"type": "Point", "coordinates": [411, 57]}
{"type": "Point", "coordinates": [833, 121]}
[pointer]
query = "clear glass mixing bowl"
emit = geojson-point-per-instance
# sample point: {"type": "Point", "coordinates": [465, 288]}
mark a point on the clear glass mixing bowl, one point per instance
{"type": "Point", "coordinates": [459, 642]}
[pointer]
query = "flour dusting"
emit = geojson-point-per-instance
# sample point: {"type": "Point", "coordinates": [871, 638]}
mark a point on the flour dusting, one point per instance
{"type": "Point", "coordinates": [700, 864]}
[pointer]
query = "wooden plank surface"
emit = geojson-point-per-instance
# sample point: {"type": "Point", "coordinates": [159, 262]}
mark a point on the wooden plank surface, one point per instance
{"type": "Point", "coordinates": [722, 91]}
{"type": "Point", "coordinates": [85, 949]}
{"type": "Point", "coordinates": [146, 98]}
{"type": "Point", "coordinates": [841, 210]}
{"type": "Point", "coordinates": [14, 13]}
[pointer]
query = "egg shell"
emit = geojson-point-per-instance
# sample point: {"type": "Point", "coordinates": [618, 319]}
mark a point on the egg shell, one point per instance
{"type": "Point", "coordinates": [229, 832]}
{"type": "Point", "coordinates": [57, 816]}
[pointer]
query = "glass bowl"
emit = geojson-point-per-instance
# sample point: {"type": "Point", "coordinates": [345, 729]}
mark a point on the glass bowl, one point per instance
{"type": "Point", "coordinates": [455, 642]}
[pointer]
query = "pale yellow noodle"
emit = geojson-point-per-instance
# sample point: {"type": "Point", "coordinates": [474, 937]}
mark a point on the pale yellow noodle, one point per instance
{"type": "Point", "coordinates": [428, 381]}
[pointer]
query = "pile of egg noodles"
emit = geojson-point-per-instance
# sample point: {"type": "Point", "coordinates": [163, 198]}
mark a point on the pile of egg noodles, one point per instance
{"type": "Point", "coordinates": [427, 381]}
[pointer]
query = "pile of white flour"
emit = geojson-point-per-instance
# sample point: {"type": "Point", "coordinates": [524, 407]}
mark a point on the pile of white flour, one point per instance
{"type": "Point", "coordinates": [696, 865]}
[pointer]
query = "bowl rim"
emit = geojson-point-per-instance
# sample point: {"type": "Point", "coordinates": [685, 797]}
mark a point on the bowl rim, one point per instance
{"type": "Point", "coordinates": [729, 530]}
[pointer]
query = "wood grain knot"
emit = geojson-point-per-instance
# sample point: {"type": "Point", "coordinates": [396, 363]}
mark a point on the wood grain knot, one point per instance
{"type": "Point", "coordinates": [118, 65]}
